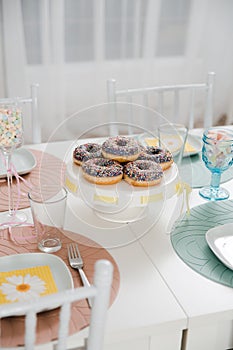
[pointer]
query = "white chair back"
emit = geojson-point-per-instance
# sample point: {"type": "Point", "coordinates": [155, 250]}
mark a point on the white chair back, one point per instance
{"type": "Point", "coordinates": [99, 291]}
{"type": "Point", "coordinates": [33, 101]}
{"type": "Point", "coordinates": [114, 95]}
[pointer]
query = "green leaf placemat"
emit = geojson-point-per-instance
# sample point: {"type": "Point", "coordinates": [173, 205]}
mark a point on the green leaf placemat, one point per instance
{"type": "Point", "coordinates": [195, 173]}
{"type": "Point", "coordinates": [188, 240]}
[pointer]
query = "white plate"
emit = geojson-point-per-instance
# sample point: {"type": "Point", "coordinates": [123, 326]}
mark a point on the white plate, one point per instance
{"type": "Point", "coordinates": [23, 160]}
{"type": "Point", "coordinates": [60, 271]}
{"type": "Point", "coordinates": [220, 241]}
{"type": "Point", "coordinates": [194, 141]}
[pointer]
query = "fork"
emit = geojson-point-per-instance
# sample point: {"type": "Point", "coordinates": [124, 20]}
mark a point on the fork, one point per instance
{"type": "Point", "coordinates": [76, 262]}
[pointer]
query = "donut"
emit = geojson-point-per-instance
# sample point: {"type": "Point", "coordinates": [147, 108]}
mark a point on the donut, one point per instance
{"type": "Point", "coordinates": [121, 149]}
{"type": "Point", "coordinates": [143, 173]}
{"type": "Point", "coordinates": [85, 152]}
{"type": "Point", "coordinates": [102, 171]}
{"type": "Point", "coordinates": [158, 155]}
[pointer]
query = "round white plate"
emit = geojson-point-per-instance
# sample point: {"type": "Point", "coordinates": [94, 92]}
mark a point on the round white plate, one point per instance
{"type": "Point", "coordinates": [23, 161]}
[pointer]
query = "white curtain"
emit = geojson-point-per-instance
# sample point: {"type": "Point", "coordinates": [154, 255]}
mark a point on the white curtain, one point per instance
{"type": "Point", "coordinates": [71, 47]}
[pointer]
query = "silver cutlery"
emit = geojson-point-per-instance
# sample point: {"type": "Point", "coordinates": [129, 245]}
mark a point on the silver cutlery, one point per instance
{"type": "Point", "coordinates": [76, 262]}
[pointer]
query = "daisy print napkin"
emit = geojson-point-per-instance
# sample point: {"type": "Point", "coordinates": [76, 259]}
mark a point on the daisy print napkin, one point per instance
{"type": "Point", "coordinates": [25, 284]}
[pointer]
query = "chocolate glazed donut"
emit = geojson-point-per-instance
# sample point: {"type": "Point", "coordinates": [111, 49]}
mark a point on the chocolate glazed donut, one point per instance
{"type": "Point", "coordinates": [158, 155]}
{"type": "Point", "coordinates": [85, 152]}
{"type": "Point", "coordinates": [102, 171]}
{"type": "Point", "coordinates": [121, 149]}
{"type": "Point", "coordinates": [143, 173]}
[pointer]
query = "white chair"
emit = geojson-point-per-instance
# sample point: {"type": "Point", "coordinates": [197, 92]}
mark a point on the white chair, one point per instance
{"type": "Point", "coordinates": [33, 100]}
{"type": "Point", "coordinates": [99, 291]}
{"type": "Point", "coordinates": [161, 96]}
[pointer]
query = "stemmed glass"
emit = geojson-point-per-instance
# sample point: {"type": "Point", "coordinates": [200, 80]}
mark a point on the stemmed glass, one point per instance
{"type": "Point", "coordinates": [217, 154]}
{"type": "Point", "coordinates": [11, 137]}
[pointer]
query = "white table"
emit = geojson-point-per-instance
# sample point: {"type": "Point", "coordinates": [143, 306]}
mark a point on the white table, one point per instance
{"type": "Point", "coordinates": [208, 305]}
{"type": "Point", "coordinates": [160, 297]}
{"type": "Point", "coordinates": [145, 314]}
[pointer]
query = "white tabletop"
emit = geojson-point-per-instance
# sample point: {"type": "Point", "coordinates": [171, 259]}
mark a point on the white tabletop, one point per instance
{"type": "Point", "coordinates": [145, 306]}
{"type": "Point", "coordinates": [158, 291]}
{"type": "Point", "coordinates": [208, 305]}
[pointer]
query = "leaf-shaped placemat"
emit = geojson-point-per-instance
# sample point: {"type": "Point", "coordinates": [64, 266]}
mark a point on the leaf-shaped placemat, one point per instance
{"type": "Point", "coordinates": [188, 240]}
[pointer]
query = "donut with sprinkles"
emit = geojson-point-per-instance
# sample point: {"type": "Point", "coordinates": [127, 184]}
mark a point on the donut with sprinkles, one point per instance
{"type": "Point", "coordinates": [143, 173]}
{"type": "Point", "coordinates": [102, 171]}
{"type": "Point", "coordinates": [85, 152]}
{"type": "Point", "coordinates": [158, 155]}
{"type": "Point", "coordinates": [121, 149]}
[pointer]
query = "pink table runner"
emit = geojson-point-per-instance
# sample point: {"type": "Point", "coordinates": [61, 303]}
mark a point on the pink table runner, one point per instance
{"type": "Point", "coordinates": [12, 329]}
{"type": "Point", "coordinates": [49, 169]}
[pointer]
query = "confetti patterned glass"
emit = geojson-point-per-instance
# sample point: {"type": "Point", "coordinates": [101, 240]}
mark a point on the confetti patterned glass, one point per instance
{"type": "Point", "coordinates": [11, 137]}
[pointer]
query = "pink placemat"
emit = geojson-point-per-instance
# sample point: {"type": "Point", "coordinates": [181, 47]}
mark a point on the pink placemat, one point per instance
{"type": "Point", "coordinates": [49, 170]}
{"type": "Point", "coordinates": [12, 328]}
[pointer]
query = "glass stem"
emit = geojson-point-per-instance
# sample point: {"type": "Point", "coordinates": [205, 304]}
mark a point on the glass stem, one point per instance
{"type": "Point", "coordinates": [215, 180]}
{"type": "Point", "coordinates": [9, 183]}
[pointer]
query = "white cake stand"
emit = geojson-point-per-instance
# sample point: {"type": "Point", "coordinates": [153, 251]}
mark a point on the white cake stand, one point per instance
{"type": "Point", "coordinates": [121, 203]}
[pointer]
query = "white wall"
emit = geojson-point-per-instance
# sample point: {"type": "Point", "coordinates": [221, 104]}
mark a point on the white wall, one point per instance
{"type": "Point", "coordinates": [69, 88]}
{"type": "Point", "coordinates": [216, 51]}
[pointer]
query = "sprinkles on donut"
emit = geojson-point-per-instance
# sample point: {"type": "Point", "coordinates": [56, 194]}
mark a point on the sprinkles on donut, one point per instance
{"type": "Point", "coordinates": [121, 149]}
{"type": "Point", "coordinates": [143, 173]}
{"type": "Point", "coordinates": [158, 155]}
{"type": "Point", "coordinates": [102, 171]}
{"type": "Point", "coordinates": [85, 152]}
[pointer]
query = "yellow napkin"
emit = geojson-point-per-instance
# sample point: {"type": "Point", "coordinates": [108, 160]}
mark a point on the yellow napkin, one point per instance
{"type": "Point", "coordinates": [154, 142]}
{"type": "Point", "coordinates": [25, 284]}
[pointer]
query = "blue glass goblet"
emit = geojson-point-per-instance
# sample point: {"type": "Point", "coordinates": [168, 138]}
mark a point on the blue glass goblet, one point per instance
{"type": "Point", "coordinates": [217, 154]}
